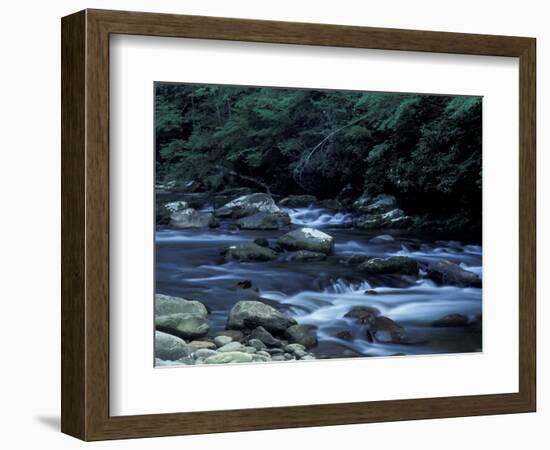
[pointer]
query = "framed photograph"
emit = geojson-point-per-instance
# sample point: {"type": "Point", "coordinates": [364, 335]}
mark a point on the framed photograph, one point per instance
{"type": "Point", "coordinates": [273, 225]}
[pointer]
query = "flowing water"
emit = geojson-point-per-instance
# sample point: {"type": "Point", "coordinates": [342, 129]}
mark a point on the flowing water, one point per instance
{"type": "Point", "coordinates": [189, 264]}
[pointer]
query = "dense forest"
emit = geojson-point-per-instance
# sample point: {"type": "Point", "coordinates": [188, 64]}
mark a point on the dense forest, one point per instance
{"type": "Point", "coordinates": [423, 149]}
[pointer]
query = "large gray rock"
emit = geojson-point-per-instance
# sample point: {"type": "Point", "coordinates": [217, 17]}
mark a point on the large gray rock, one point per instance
{"type": "Point", "coordinates": [298, 201]}
{"type": "Point", "coordinates": [191, 218]}
{"type": "Point", "coordinates": [265, 221]}
{"type": "Point", "coordinates": [251, 314]}
{"type": "Point", "coordinates": [380, 204]}
{"type": "Point", "coordinates": [397, 265]}
{"type": "Point", "coordinates": [229, 357]}
{"type": "Point", "coordinates": [247, 205]}
{"type": "Point", "coordinates": [448, 273]}
{"type": "Point", "coordinates": [307, 239]}
{"type": "Point", "coordinates": [300, 334]}
{"type": "Point", "coordinates": [167, 304]}
{"type": "Point", "coordinates": [231, 347]}
{"type": "Point", "coordinates": [170, 348]}
{"type": "Point", "coordinates": [183, 325]}
{"type": "Point", "coordinates": [265, 336]}
{"type": "Point", "coordinates": [249, 252]}
{"type": "Point", "coordinates": [164, 212]}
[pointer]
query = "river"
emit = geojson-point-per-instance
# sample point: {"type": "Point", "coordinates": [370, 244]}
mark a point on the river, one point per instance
{"type": "Point", "coordinates": [189, 265]}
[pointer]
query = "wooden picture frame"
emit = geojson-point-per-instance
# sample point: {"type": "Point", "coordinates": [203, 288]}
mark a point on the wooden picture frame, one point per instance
{"type": "Point", "coordinates": [85, 224]}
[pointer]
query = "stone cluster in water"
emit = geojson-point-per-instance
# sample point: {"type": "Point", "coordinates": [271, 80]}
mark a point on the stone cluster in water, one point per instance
{"type": "Point", "coordinates": [256, 331]}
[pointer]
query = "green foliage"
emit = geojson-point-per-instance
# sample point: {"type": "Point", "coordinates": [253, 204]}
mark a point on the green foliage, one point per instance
{"type": "Point", "coordinates": [425, 149]}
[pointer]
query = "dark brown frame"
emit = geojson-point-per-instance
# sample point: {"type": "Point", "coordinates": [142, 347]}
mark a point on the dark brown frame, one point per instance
{"type": "Point", "coordinates": [85, 224]}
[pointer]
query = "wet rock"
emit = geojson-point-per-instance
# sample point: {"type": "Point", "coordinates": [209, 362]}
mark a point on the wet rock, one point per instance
{"type": "Point", "coordinates": [398, 265]}
{"type": "Point", "coordinates": [307, 239]}
{"type": "Point", "coordinates": [191, 218]}
{"type": "Point", "coordinates": [354, 259]}
{"type": "Point", "coordinates": [202, 344]}
{"type": "Point", "coordinates": [236, 335]}
{"type": "Point", "coordinates": [298, 201]}
{"type": "Point", "coordinates": [170, 348]}
{"type": "Point", "coordinates": [251, 314]}
{"type": "Point", "coordinates": [274, 351]}
{"type": "Point", "coordinates": [245, 284]}
{"type": "Point", "coordinates": [265, 336]}
{"type": "Point", "coordinates": [306, 256]}
{"type": "Point", "coordinates": [300, 334]}
{"type": "Point", "coordinates": [220, 341]}
{"type": "Point", "coordinates": [248, 252]}
{"type": "Point", "coordinates": [229, 357]}
{"type": "Point", "coordinates": [386, 331]}
{"type": "Point", "coordinates": [278, 358]}
{"type": "Point", "coordinates": [365, 314]}
{"type": "Point", "coordinates": [203, 353]}
{"type": "Point", "coordinates": [231, 347]}
{"type": "Point", "coordinates": [183, 325]}
{"type": "Point", "coordinates": [380, 204]}
{"type": "Point", "coordinates": [344, 335]}
{"type": "Point", "coordinates": [247, 205]}
{"type": "Point", "coordinates": [297, 350]}
{"type": "Point", "coordinates": [395, 218]}
{"type": "Point", "coordinates": [451, 320]}
{"type": "Point", "coordinates": [167, 304]}
{"type": "Point", "coordinates": [262, 242]}
{"type": "Point", "coordinates": [362, 203]}
{"type": "Point", "coordinates": [448, 273]}
{"type": "Point", "coordinates": [257, 344]}
{"type": "Point", "coordinates": [163, 212]}
{"type": "Point", "coordinates": [382, 239]}
{"type": "Point", "coordinates": [265, 221]}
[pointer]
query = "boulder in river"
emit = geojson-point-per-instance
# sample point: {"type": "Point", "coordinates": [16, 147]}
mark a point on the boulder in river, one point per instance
{"type": "Point", "coordinates": [451, 320]}
{"type": "Point", "coordinates": [394, 265]}
{"type": "Point", "coordinates": [307, 239]}
{"type": "Point", "coordinates": [395, 218]}
{"type": "Point", "coordinates": [183, 325]}
{"type": "Point", "coordinates": [354, 259]}
{"type": "Point", "coordinates": [164, 212]}
{"type": "Point", "coordinates": [365, 314]}
{"type": "Point", "coordinates": [306, 256]}
{"type": "Point", "coordinates": [447, 273]}
{"type": "Point", "coordinates": [386, 331]}
{"type": "Point", "coordinates": [300, 334]}
{"type": "Point", "coordinates": [251, 314]}
{"type": "Point", "coordinates": [265, 221]}
{"type": "Point", "coordinates": [167, 304]}
{"type": "Point", "coordinates": [375, 205]}
{"type": "Point", "coordinates": [298, 201]}
{"type": "Point", "coordinates": [344, 335]}
{"type": "Point", "coordinates": [170, 348]}
{"type": "Point", "coordinates": [191, 218]}
{"type": "Point", "coordinates": [248, 252]}
{"type": "Point", "coordinates": [247, 205]}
